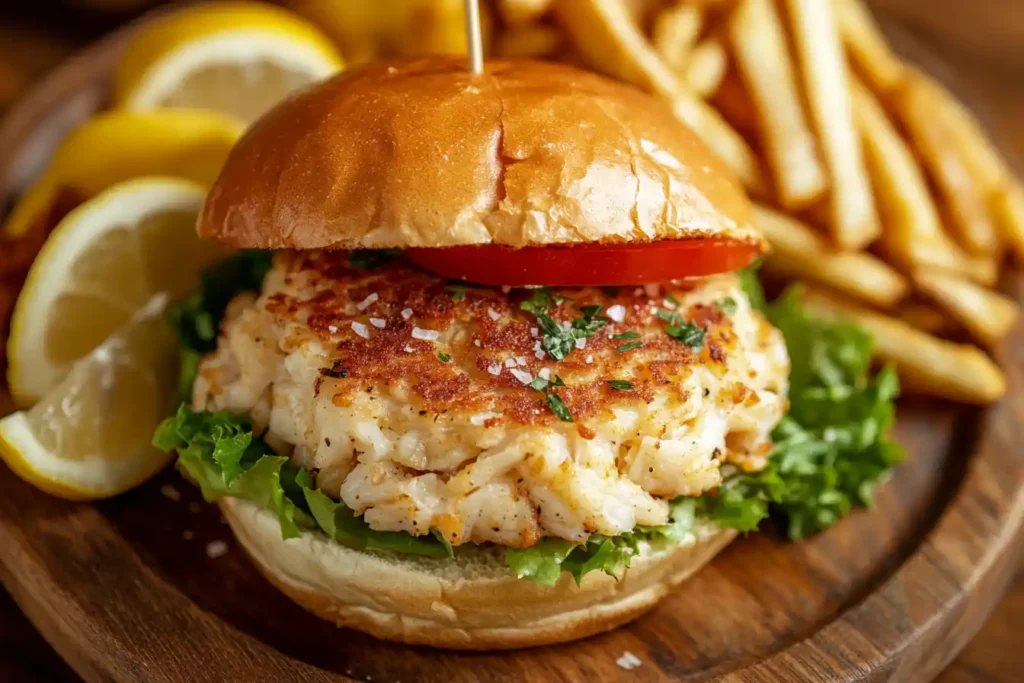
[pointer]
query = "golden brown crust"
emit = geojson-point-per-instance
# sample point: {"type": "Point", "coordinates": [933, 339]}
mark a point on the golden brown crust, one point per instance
{"type": "Point", "coordinates": [467, 605]}
{"type": "Point", "coordinates": [321, 291]}
{"type": "Point", "coordinates": [421, 153]}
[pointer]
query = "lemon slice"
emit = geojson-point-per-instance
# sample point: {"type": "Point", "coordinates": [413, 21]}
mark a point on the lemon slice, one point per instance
{"type": "Point", "coordinates": [237, 58]}
{"type": "Point", "coordinates": [102, 263]}
{"type": "Point", "coordinates": [120, 145]}
{"type": "Point", "coordinates": [89, 437]}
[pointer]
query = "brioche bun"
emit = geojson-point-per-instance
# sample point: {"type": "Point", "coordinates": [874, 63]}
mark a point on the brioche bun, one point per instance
{"type": "Point", "coordinates": [423, 154]}
{"type": "Point", "coordinates": [470, 603]}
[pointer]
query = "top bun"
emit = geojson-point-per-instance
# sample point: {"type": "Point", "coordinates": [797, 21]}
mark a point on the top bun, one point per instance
{"type": "Point", "coordinates": [423, 154]}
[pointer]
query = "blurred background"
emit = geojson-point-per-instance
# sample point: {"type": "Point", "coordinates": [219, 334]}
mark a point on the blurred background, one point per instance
{"type": "Point", "coordinates": [979, 50]}
{"type": "Point", "coordinates": [35, 36]}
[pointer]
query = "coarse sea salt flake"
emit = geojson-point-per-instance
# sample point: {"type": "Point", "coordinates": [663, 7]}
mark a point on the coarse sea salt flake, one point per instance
{"type": "Point", "coordinates": [409, 349]}
{"type": "Point", "coordinates": [215, 549]}
{"type": "Point", "coordinates": [590, 359]}
{"type": "Point", "coordinates": [521, 375]}
{"type": "Point", "coordinates": [545, 373]}
{"type": "Point", "coordinates": [510, 363]}
{"type": "Point", "coordinates": [628, 661]}
{"type": "Point", "coordinates": [581, 342]}
{"type": "Point", "coordinates": [379, 323]}
{"type": "Point", "coordinates": [493, 314]}
{"type": "Point", "coordinates": [361, 329]}
{"type": "Point", "coordinates": [332, 328]}
{"type": "Point", "coordinates": [520, 360]}
{"type": "Point", "coordinates": [425, 335]}
{"type": "Point", "coordinates": [367, 302]}
{"type": "Point", "coordinates": [494, 369]}
{"type": "Point", "coordinates": [616, 313]}
{"type": "Point", "coordinates": [406, 313]}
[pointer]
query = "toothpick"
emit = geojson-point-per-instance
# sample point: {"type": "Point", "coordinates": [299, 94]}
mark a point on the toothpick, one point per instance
{"type": "Point", "coordinates": [474, 44]}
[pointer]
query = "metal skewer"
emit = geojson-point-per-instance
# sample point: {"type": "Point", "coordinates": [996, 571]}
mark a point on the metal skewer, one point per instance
{"type": "Point", "coordinates": [474, 44]}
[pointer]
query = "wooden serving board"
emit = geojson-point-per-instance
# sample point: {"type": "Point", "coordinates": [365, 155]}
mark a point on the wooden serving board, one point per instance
{"type": "Point", "coordinates": [124, 589]}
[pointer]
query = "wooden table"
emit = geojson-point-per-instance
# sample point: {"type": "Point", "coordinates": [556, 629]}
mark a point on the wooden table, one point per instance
{"type": "Point", "coordinates": [27, 50]}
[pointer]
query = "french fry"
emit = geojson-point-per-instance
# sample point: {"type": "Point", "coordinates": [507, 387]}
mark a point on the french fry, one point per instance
{"type": "Point", "coordinates": [854, 219]}
{"type": "Point", "coordinates": [798, 252]}
{"type": "Point", "coordinates": [676, 29]}
{"type": "Point", "coordinates": [529, 40]}
{"type": "Point", "coordinates": [759, 47]}
{"type": "Point", "coordinates": [1008, 208]}
{"type": "Point", "coordinates": [959, 372]}
{"type": "Point", "coordinates": [867, 47]}
{"type": "Point", "coordinates": [979, 155]}
{"type": "Point", "coordinates": [723, 140]}
{"type": "Point", "coordinates": [914, 235]}
{"type": "Point", "coordinates": [604, 34]}
{"type": "Point", "coordinates": [926, 318]}
{"type": "Point", "coordinates": [987, 315]}
{"type": "Point", "coordinates": [706, 67]}
{"type": "Point", "coordinates": [921, 106]}
{"type": "Point", "coordinates": [522, 11]}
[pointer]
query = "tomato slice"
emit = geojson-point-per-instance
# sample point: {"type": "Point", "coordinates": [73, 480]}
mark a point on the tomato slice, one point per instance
{"type": "Point", "coordinates": [583, 265]}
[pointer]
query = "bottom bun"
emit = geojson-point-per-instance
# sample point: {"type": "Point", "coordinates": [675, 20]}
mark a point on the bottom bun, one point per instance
{"type": "Point", "coordinates": [472, 602]}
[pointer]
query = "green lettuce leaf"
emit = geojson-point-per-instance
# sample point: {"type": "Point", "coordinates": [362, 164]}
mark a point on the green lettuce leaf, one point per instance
{"type": "Point", "coordinates": [545, 561]}
{"type": "Point", "coordinates": [220, 453]}
{"type": "Point", "coordinates": [196, 319]}
{"type": "Point", "coordinates": [833, 447]}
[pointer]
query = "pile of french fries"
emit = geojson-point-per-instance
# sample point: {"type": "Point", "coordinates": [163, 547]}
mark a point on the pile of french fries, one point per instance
{"type": "Point", "coordinates": [876, 188]}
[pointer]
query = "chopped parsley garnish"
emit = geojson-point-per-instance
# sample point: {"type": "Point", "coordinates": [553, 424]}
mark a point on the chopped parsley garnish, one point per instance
{"type": "Point", "coordinates": [626, 335]}
{"type": "Point", "coordinates": [554, 401]}
{"type": "Point", "coordinates": [541, 384]}
{"type": "Point", "coordinates": [541, 299]}
{"type": "Point", "coordinates": [458, 291]}
{"type": "Point", "coordinates": [620, 384]}
{"type": "Point", "coordinates": [630, 346]}
{"type": "Point", "coordinates": [560, 339]}
{"type": "Point", "coordinates": [689, 333]}
{"type": "Point", "coordinates": [727, 305]}
{"type": "Point", "coordinates": [367, 259]}
{"type": "Point", "coordinates": [558, 407]}
{"type": "Point", "coordinates": [445, 358]}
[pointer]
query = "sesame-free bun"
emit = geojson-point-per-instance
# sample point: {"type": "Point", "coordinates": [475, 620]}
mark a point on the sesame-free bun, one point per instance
{"type": "Point", "coordinates": [471, 602]}
{"type": "Point", "coordinates": [423, 154]}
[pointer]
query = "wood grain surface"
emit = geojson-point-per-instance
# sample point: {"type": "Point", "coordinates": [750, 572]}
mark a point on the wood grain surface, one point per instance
{"type": "Point", "coordinates": [912, 578]}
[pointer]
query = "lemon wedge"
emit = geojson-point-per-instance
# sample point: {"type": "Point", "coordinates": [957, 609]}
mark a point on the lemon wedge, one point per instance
{"type": "Point", "coordinates": [237, 58]}
{"type": "Point", "coordinates": [101, 264]}
{"type": "Point", "coordinates": [120, 145]}
{"type": "Point", "coordinates": [89, 437]}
